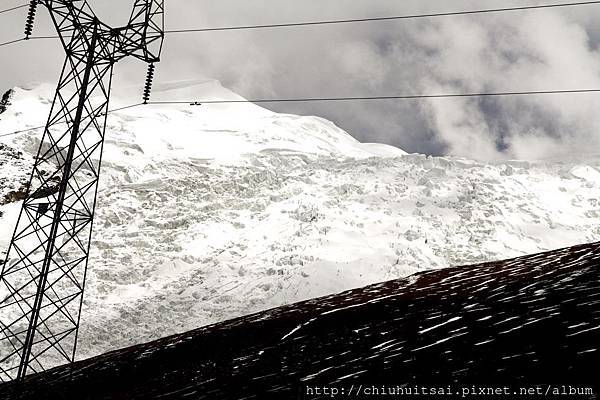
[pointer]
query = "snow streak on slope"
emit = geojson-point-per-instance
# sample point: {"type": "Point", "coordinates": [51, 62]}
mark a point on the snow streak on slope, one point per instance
{"type": "Point", "coordinates": [207, 213]}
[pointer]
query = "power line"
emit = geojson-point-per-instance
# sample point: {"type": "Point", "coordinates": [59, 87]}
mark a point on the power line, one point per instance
{"type": "Point", "coordinates": [336, 99]}
{"type": "Point", "coordinates": [44, 37]}
{"type": "Point", "coordinates": [13, 8]}
{"type": "Point", "coordinates": [369, 98]}
{"type": "Point", "coordinates": [11, 42]}
{"type": "Point", "coordinates": [43, 126]}
{"type": "Point", "coordinates": [124, 108]}
{"type": "Point", "coordinates": [22, 131]}
{"type": "Point", "coordinates": [376, 19]}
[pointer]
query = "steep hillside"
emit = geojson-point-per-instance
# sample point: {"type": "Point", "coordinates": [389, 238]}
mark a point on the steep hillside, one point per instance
{"type": "Point", "coordinates": [531, 323]}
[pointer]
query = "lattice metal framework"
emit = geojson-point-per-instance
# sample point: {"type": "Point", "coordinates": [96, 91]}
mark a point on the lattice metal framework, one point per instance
{"type": "Point", "coordinates": [43, 278]}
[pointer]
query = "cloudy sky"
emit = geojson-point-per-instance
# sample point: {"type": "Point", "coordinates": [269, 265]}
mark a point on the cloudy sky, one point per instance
{"type": "Point", "coordinates": [515, 51]}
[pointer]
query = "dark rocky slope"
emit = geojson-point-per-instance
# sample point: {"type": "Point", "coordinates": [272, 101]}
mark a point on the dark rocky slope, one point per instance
{"type": "Point", "coordinates": [527, 321]}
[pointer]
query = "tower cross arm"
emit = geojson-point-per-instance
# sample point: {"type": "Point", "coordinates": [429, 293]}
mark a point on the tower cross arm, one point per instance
{"type": "Point", "coordinates": [70, 17]}
{"type": "Point", "coordinates": [143, 36]}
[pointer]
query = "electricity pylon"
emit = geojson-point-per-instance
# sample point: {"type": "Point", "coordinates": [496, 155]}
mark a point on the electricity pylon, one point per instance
{"type": "Point", "coordinates": [43, 278]}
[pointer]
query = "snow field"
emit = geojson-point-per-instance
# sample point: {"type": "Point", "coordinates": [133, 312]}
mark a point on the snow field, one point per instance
{"type": "Point", "coordinates": [208, 213]}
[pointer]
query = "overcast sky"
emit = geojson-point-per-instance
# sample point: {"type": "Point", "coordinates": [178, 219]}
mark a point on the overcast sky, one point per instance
{"type": "Point", "coordinates": [516, 51]}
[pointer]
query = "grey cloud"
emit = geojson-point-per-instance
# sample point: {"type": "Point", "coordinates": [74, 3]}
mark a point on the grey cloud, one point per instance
{"type": "Point", "coordinates": [514, 51]}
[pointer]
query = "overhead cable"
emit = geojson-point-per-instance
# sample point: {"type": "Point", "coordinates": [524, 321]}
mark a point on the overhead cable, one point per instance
{"type": "Point", "coordinates": [13, 8]}
{"type": "Point", "coordinates": [374, 19]}
{"type": "Point", "coordinates": [43, 126]}
{"type": "Point", "coordinates": [369, 98]}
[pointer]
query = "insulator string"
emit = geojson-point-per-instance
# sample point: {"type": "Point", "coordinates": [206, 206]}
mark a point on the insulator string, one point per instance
{"type": "Point", "coordinates": [148, 85]}
{"type": "Point", "coordinates": [30, 18]}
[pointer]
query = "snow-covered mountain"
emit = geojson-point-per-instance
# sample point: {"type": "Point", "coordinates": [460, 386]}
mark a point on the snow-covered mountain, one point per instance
{"type": "Point", "coordinates": [210, 212]}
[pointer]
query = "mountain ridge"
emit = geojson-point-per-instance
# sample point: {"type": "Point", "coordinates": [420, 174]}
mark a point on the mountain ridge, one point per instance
{"type": "Point", "coordinates": [213, 212]}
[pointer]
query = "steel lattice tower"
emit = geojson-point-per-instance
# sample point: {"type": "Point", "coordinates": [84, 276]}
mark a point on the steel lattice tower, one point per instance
{"type": "Point", "coordinates": [43, 279]}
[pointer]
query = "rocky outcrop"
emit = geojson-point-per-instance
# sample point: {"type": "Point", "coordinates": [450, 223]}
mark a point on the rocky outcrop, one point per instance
{"type": "Point", "coordinates": [13, 180]}
{"type": "Point", "coordinates": [14, 183]}
{"type": "Point", "coordinates": [14, 196]}
{"type": "Point", "coordinates": [5, 101]}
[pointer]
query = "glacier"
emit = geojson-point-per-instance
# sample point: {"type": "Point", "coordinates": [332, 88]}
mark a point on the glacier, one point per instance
{"type": "Point", "coordinates": [206, 213]}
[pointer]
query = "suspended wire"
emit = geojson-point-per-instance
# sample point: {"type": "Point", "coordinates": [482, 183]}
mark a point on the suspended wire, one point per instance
{"type": "Point", "coordinates": [22, 131]}
{"type": "Point", "coordinates": [43, 37]}
{"type": "Point", "coordinates": [13, 8]}
{"type": "Point", "coordinates": [376, 19]}
{"type": "Point", "coordinates": [43, 126]}
{"type": "Point", "coordinates": [123, 108]}
{"type": "Point", "coordinates": [11, 42]}
{"type": "Point", "coordinates": [336, 99]}
{"type": "Point", "coordinates": [339, 99]}
{"type": "Point", "coordinates": [391, 18]}
{"type": "Point", "coordinates": [368, 98]}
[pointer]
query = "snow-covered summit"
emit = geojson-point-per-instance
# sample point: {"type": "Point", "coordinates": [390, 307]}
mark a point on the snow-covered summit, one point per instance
{"type": "Point", "coordinates": [219, 132]}
{"type": "Point", "coordinates": [214, 211]}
